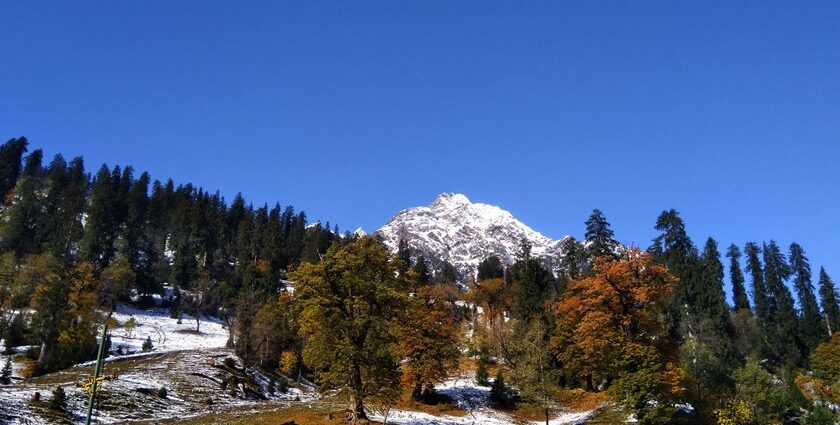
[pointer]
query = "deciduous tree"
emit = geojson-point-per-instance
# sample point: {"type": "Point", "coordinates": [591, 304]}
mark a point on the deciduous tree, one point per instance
{"type": "Point", "coordinates": [349, 305]}
{"type": "Point", "coordinates": [605, 320]}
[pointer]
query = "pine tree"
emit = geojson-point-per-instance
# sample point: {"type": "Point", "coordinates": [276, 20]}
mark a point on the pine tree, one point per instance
{"type": "Point", "coordinates": [784, 338]}
{"type": "Point", "coordinates": [481, 376]}
{"type": "Point", "coordinates": [447, 273]}
{"type": "Point", "coordinates": [675, 250]}
{"type": "Point", "coordinates": [499, 392]}
{"type": "Point", "coordinates": [711, 300]}
{"type": "Point", "coordinates": [573, 256]}
{"type": "Point", "coordinates": [58, 400]}
{"type": "Point", "coordinates": [404, 254]}
{"type": "Point", "coordinates": [491, 268]}
{"type": "Point", "coordinates": [11, 155]}
{"type": "Point", "coordinates": [97, 245]}
{"type": "Point", "coordinates": [147, 344]}
{"type": "Point", "coordinates": [709, 320]}
{"type": "Point", "coordinates": [828, 299]}
{"type": "Point", "coordinates": [23, 220]}
{"type": "Point", "coordinates": [599, 236]}
{"type": "Point", "coordinates": [134, 246]}
{"type": "Point", "coordinates": [424, 276]}
{"type": "Point", "coordinates": [65, 206]}
{"type": "Point", "coordinates": [759, 289]}
{"type": "Point", "coordinates": [531, 285]}
{"type": "Point", "coordinates": [739, 293]}
{"type": "Point", "coordinates": [811, 324]}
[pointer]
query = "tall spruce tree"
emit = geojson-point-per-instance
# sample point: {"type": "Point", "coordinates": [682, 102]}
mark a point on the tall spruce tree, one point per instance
{"type": "Point", "coordinates": [404, 255]}
{"type": "Point", "coordinates": [811, 325]}
{"type": "Point", "coordinates": [65, 206]}
{"type": "Point", "coordinates": [23, 220]}
{"type": "Point", "coordinates": [490, 268]}
{"type": "Point", "coordinates": [828, 299]}
{"type": "Point", "coordinates": [424, 276]}
{"type": "Point", "coordinates": [709, 329]}
{"type": "Point", "coordinates": [447, 273]}
{"type": "Point", "coordinates": [531, 286]}
{"type": "Point", "coordinates": [711, 299]}
{"type": "Point", "coordinates": [599, 236]}
{"type": "Point", "coordinates": [97, 245]}
{"type": "Point", "coordinates": [573, 256]}
{"type": "Point", "coordinates": [11, 156]}
{"type": "Point", "coordinates": [736, 276]}
{"type": "Point", "coordinates": [784, 338]}
{"type": "Point", "coordinates": [674, 249]}
{"type": "Point", "coordinates": [759, 289]}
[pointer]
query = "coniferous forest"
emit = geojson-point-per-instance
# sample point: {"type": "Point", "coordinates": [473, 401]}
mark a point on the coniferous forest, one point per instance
{"type": "Point", "coordinates": [646, 330]}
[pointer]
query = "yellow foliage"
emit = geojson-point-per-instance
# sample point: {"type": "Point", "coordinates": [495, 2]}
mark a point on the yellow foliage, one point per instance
{"type": "Point", "coordinates": [288, 361]}
{"type": "Point", "coordinates": [736, 413]}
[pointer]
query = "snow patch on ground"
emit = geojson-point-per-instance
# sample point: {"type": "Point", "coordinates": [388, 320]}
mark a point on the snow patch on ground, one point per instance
{"type": "Point", "coordinates": [475, 399]}
{"type": "Point", "coordinates": [165, 332]}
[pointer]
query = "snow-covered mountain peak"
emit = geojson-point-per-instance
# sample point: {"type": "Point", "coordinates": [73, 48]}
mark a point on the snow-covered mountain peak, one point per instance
{"type": "Point", "coordinates": [454, 229]}
{"type": "Point", "coordinates": [450, 200]}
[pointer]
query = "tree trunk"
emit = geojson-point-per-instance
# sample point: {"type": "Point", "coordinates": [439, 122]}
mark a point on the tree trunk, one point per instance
{"type": "Point", "coordinates": [589, 385]}
{"type": "Point", "coordinates": [230, 341]}
{"type": "Point", "coordinates": [42, 356]}
{"type": "Point", "coordinates": [197, 323]}
{"type": "Point", "coordinates": [417, 394]}
{"type": "Point", "coordinates": [357, 406]}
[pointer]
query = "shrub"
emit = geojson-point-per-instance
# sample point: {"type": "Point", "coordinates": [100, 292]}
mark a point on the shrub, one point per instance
{"type": "Point", "coordinates": [147, 344]}
{"type": "Point", "coordinates": [755, 388]}
{"type": "Point", "coordinates": [826, 359]}
{"type": "Point", "coordinates": [162, 392]}
{"type": "Point", "coordinates": [282, 385]}
{"type": "Point", "coordinates": [820, 415]}
{"type": "Point", "coordinates": [229, 362]}
{"type": "Point", "coordinates": [16, 333]}
{"type": "Point", "coordinates": [499, 392]}
{"type": "Point", "coordinates": [58, 399]}
{"type": "Point", "coordinates": [481, 376]}
{"type": "Point", "coordinates": [129, 326]}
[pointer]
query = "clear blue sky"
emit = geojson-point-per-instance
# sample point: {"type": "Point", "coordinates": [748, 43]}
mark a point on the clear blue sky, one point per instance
{"type": "Point", "coordinates": [728, 112]}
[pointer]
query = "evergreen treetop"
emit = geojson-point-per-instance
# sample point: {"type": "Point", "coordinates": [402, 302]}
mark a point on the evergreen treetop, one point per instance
{"type": "Point", "coordinates": [736, 276]}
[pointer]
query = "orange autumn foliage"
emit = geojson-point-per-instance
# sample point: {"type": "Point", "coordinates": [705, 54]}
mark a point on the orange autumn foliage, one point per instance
{"type": "Point", "coordinates": [429, 336]}
{"type": "Point", "coordinates": [605, 318]}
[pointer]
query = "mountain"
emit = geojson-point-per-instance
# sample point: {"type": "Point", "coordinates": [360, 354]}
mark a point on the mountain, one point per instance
{"type": "Point", "coordinates": [463, 233]}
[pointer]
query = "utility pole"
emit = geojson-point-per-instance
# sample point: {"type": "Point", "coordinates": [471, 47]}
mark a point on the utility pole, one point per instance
{"type": "Point", "coordinates": [96, 372]}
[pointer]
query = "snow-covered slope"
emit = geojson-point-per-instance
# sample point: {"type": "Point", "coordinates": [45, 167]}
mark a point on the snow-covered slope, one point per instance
{"type": "Point", "coordinates": [463, 233]}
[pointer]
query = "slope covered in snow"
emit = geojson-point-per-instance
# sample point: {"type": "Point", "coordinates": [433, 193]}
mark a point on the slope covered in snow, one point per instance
{"type": "Point", "coordinates": [463, 233]}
